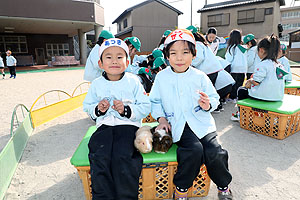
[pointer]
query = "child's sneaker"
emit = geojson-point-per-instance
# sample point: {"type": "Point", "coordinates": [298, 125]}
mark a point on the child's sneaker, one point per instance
{"type": "Point", "coordinates": [235, 117]}
{"type": "Point", "coordinates": [216, 111]}
{"type": "Point", "coordinates": [11, 76]}
{"type": "Point", "coordinates": [220, 107]}
{"type": "Point", "coordinates": [14, 76]}
{"type": "Point", "coordinates": [225, 195]}
{"type": "Point", "coordinates": [231, 100]}
{"type": "Point", "coordinates": [178, 195]}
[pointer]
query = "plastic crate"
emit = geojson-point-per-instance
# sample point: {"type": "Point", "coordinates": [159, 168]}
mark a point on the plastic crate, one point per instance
{"type": "Point", "coordinates": [274, 119]}
{"type": "Point", "coordinates": [292, 88]}
{"type": "Point", "coordinates": [156, 181]}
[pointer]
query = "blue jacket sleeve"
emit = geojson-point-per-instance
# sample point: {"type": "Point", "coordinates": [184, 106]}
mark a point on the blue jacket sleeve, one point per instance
{"type": "Point", "coordinates": [259, 74]}
{"type": "Point", "coordinates": [229, 56]}
{"type": "Point", "coordinates": [90, 102]}
{"type": "Point", "coordinates": [199, 56]}
{"type": "Point", "coordinates": [156, 103]}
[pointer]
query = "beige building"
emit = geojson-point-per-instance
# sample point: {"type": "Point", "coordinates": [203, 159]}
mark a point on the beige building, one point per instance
{"type": "Point", "coordinates": [290, 20]}
{"type": "Point", "coordinates": [260, 17]}
{"type": "Point", "coordinates": [147, 21]}
{"type": "Point", "coordinates": [44, 28]}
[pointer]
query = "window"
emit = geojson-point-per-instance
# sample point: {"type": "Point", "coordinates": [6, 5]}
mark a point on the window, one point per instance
{"type": "Point", "coordinates": [57, 49]}
{"type": "Point", "coordinates": [218, 20]}
{"type": "Point", "coordinates": [292, 14]}
{"type": "Point", "coordinates": [268, 11]}
{"type": "Point", "coordinates": [17, 44]}
{"type": "Point", "coordinates": [251, 16]}
{"type": "Point", "coordinates": [120, 27]}
{"type": "Point", "coordinates": [125, 23]}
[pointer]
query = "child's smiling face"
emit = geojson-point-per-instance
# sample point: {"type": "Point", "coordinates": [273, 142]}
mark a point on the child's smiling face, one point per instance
{"type": "Point", "coordinates": [180, 56]}
{"type": "Point", "coordinates": [114, 62]}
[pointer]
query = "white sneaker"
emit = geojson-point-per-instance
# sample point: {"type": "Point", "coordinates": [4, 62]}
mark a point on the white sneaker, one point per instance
{"type": "Point", "coordinates": [231, 100]}
{"type": "Point", "coordinates": [235, 117]}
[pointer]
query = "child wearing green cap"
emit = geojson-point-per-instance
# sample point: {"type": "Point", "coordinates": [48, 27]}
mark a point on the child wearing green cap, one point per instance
{"type": "Point", "coordinates": [134, 46]}
{"type": "Point", "coordinates": [92, 70]}
{"type": "Point", "coordinates": [285, 62]}
{"type": "Point", "coordinates": [145, 75]}
{"type": "Point", "coordinates": [160, 45]}
{"type": "Point", "coordinates": [158, 65]}
{"type": "Point", "coordinates": [252, 56]}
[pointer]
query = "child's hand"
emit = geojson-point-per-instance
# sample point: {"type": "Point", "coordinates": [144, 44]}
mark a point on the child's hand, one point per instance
{"type": "Point", "coordinates": [103, 105]}
{"type": "Point", "coordinates": [204, 102]}
{"type": "Point", "coordinates": [248, 84]}
{"type": "Point", "coordinates": [163, 124]}
{"type": "Point", "coordinates": [118, 106]}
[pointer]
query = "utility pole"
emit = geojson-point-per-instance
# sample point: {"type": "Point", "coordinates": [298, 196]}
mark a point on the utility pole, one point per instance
{"type": "Point", "coordinates": [191, 12]}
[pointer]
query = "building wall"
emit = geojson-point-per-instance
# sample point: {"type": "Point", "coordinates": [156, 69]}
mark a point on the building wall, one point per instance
{"type": "Point", "coordinates": [259, 29]}
{"type": "Point", "coordinates": [40, 40]}
{"type": "Point", "coordinates": [129, 22]}
{"type": "Point", "coordinates": [53, 9]}
{"type": "Point", "coordinates": [150, 21]}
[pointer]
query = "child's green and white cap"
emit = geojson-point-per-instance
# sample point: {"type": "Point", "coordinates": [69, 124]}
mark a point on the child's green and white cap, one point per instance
{"type": "Point", "coordinates": [156, 53]}
{"type": "Point", "coordinates": [113, 42]}
{"type": "Point", "coordinates": [248, 38]}
{"type": "Point", "coordinates": [192, 28]}
{"type": "Point", "coordinates": [166, 33]}
{"type": "Point", "coordinates": [144, 70]}
{"type": "Point", "coordinates": [135, 42]}
{"type": "Point", "coordinates": [180, 34]}
{"type": "Point", "coordinates": [283, 47]}
{"type": "Point", "coordinates": [158, 62]}
{"type": "Point", "coordinates": [106, 34]}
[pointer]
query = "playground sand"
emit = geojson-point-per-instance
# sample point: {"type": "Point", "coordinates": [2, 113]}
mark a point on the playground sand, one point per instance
{"type": "Point", "coordinates": [262, 167]}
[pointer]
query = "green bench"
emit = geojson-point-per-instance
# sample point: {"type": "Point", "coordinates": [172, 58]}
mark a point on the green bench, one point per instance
{"type": "Point", "coordinates": [275, 119]}
{"type": "Point", "coordinates": [156, 180]}
{"type": "Point", "coordinates": [292, 88]}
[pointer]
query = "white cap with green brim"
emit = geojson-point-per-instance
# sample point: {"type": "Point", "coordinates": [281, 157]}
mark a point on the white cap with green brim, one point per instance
{"type": "Point", "coordinates": [113, 42]}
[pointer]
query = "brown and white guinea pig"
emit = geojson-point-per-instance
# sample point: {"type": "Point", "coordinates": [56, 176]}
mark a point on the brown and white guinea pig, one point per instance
{"type": "Point", "coordinates": [162, 140]}
{"type": "Point", "coordinates": [143, 139]}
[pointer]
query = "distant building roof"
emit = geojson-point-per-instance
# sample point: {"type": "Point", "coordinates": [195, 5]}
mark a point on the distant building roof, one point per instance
{"type": "Point", "coordinates": [233, 3]}
{"type": "Point", "coordinates": [127, 30]}
{"type": "Point", "coordinates": [144, 3]}
{"type": "Point", "coordinates": [294, 31]}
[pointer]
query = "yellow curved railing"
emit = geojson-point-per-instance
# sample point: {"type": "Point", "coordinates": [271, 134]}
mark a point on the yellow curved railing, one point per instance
{"type": "Point", "coordinates": [80, 87]}
{"type": "Point", "coordinates": [296, 75]}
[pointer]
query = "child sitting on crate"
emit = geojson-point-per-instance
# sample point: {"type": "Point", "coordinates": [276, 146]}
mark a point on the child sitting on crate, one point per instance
{"type": "Point", "coordinates": [118, 102]}
{"type": "Point", "coordinates": [182, 99]}
{"type": "Point", "coordinates": [267, 82]}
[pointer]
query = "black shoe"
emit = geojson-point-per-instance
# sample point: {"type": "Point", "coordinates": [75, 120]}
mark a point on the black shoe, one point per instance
{"type": "Point", "coordinates": [225, 195]}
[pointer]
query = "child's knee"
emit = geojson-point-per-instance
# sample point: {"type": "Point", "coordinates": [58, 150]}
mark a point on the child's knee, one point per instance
{"type": "Point", "coordinates": [214, 155]}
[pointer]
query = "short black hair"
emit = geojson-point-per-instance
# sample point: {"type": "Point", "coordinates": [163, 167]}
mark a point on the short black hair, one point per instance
{"type": "Point", "coordinates": [212, 30]}
{"type": "Point", "coordinates": [192, 48]}
{"type": "Point", "coordinates": [252, 42]}
{"type": "Point", "coordinates": [271, 45]}
{"type": "Point", "coordinates": [100, 40]}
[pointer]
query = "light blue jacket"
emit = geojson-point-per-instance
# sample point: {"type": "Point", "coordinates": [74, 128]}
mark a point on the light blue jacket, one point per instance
{"type": "Point", "coordinates": [92, 69]}
{"type": "Point", "coordinates": [270, 88]}
{"type": "Point", "coordinates": [1, 62]}
{"type": "Point", "coordinates": [238, 60]}
{"type": "Point", "coordinates": [175, 96]}
{"type": "Point", "coordinates": [206, 60]}
{"type": "Point", "coordinates": [223, 79]}
{"type": "Point", "coordinates": [223, 62]}
{"type": "Point", "coordinates": [128, 89]}
{"type": "Point", "coordinates": [285, 62]}
{"type": "Point", "coordinates": [132, 67]}
{"type": "Point", "coordinates": [252, 59]}
{"type": "Point", "coordinates": [11, 61]}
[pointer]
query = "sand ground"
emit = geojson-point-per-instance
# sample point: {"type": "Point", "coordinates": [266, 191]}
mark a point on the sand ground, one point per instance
{"type": "Point", "coordinates": [262, 167]}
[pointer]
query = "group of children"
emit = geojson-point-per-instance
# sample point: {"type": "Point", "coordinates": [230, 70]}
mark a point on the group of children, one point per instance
{"type": "Point", "coordinates": [186, 82]}
{"type": "Point", "coordinates": [11, 63]}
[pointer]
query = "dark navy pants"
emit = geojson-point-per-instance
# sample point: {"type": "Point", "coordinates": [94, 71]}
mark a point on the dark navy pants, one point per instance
{"type": "Point", "coordinates": [192, 152]}
{"type": "Point", "coordinates": [115, 163]}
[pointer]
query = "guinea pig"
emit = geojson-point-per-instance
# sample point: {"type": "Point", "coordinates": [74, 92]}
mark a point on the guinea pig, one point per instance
{"type": "Point", "coordinates": [143, 139]}
{"type": "Point", "coordinates": [162, 140]}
